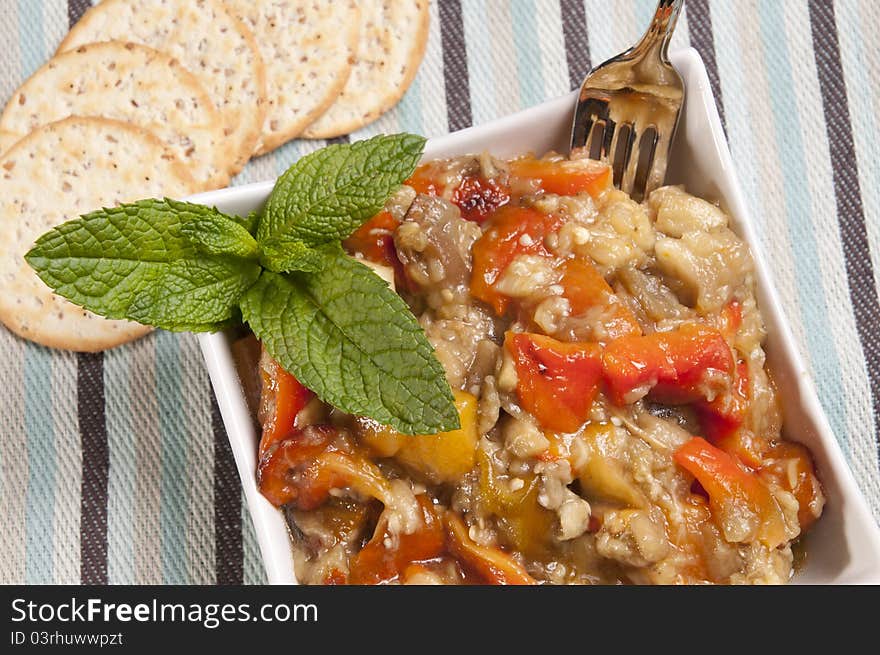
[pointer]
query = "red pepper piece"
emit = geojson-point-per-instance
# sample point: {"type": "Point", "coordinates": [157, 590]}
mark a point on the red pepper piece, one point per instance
{"type": "Point", "coordinates": [731, 488]}
{"type": "Point", "coordinates": [585, 288]}
{"type": "Point", "coordinates": [379, 562]}
{"type": "Point", "coordinates": [691, 363]}
{"type": "Point", "coordinates": [563, 177]}
{"type": "Point", "coordinates": [290, 398]}
{"type": "Point", "coordinates": [513, 231]}
{"type": "Point", "coordinates": [556, 381]}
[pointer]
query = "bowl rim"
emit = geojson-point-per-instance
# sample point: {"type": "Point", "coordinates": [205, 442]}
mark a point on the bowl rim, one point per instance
{"type": "Point", "coordinates": [269, 524]}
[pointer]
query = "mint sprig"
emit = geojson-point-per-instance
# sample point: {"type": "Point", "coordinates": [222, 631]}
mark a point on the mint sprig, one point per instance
{"type": "Point", "coordinates": [326, 318]}
{"type": "Point", "coordinates": [136, 262]}
{"type": "Point", "coordinates": [328, 194]}
{"type": "Point", "coordinates": [374, 361]}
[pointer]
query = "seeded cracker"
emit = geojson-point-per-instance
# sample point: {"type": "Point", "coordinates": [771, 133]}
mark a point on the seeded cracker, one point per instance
{"type": "Point", "coordinates": [391, 46]}
{"type": "Point", "coordinates": [208, 41]}
{"type": "Point", "coordinates": [54, 174]}
{"type": "Point", "coordinates": [129, 83]}
{"type": "Point", "coordinates": [307, 47]}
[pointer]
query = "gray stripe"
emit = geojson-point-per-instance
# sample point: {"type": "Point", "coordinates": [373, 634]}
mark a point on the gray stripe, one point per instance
{"type": "Point", "coordinates": [700, 27]}
{"type": "Point", "coordinates": [848, 196]}
{"type": "Point", "coordinates": [455, 69]}
{"type": "Point", "coordinates": [228, 552]}
{"type": "Point", "coordinates": [95, 465]}
{"type": "Point", "coordinates": [577, 41]}
{"type": "Point", "coordinates": [75, 10]}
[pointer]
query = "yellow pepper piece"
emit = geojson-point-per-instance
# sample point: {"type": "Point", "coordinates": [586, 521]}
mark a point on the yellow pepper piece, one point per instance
{"type": "Point", "coordinates": [382, 440]}
{"type": "Point", "coordinates": [447, 456]}
{"type": "Point", "coordinates": [603, 476]}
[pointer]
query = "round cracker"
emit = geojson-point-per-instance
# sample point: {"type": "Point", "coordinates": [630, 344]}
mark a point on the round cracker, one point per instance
{"type": "Point", "coordinates": [214, 45]}
{"type": "Point", "coordinates": [391, 45]}
{"type": "Point", "coordinates": [130, 83]}
{"type": "Point", "coordinates": [59, 172]}
{"type": "Point", "coordinates": [307, 48]}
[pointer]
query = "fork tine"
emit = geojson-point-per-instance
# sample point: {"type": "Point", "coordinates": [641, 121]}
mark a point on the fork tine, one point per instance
{"type": "Point", "coordinates": [621, 151]}
{"type": "Point", "coordinates": [607, 153]}
{"type": "Point", "coordinates": [638, 88]}
{"type": "Point", "coordinates": [628, 176]}
{"type": "Point", "coordinates": [647, 162]}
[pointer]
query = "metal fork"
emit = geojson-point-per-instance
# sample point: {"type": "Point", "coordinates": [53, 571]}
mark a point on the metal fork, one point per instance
{"type": "Point", "coordinates": [628, 108]}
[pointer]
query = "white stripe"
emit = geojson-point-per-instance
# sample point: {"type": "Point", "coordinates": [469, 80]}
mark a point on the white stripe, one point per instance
{"type": "Point", "coordinates": [257, 170]}
{"type": "Point", "coordinates": [434, 119]}
{"type": "Point", "coordinates": [504, 69]}
{"type": "Point", "coordinates": [54, 24]}
{"type": "Point", "coordinates": [554, 64]}
{"type": "Point", "coordinates": [604, 30]}
{"type": "Point", "coordinates": [14, 469]}
{"type": "Point", "coordinates": [479, 61]}
{"type": "Point", "coordinates": [681, 38]}
{"type": "Point", "coordinates": [860, 58]}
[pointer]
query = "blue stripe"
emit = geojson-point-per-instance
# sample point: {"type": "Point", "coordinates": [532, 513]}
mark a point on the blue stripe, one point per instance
{"type": "Point", "coordinates": [815, 312]}
{"type": "Point", "coordinates": [286, 155]}
{"type": "Point", "coordinates": [254, 572]}
{"type": "Point", "coordinates": [122, 448]}
{"type": "Point", "coordinates": [175, 466]}
{"type": "Point", "coordinates": [31, 35]}
{"type": "Point", "coordinates": [42, 466]}
{"type": "Point", "coordinates": [644, 14]}
{"type": "Point", "coordinates": [528, 53]}
{"type": "Point", "coordinates": [740, 125]}
{"type": "Point", "coordinates": [479, 61]}
{"type": "Point", "coordinates": [409, 111]}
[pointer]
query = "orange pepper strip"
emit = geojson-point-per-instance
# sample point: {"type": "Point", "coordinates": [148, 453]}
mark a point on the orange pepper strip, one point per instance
{"type": "Point", "coordinates": [377, 563]}
{"type": "Point", "coordinates": [726, 413]}
{"type": "Point", "coordinates": [375, 241]}
{"type": "Point", "coordinates": [691, 363]}
{"type": "Point", "coordinates": [727, 484]}
{"type": "Point", "coordinates": [585, 288]}
{"type": "Point", "coordinates": [556, 381]}
{"type": "Point", "coordinates": [290, 398]}
{"type": "Point", "coordinates": [494, 566]}
{"type": "Point", "coordinates": [731, 318]}
{"type": "Point", "coordinates": [286, 470]}
{"type": "Point", "coordinates": [512, 231]}
{"type": "Point", "coordinates": [304, 468]}
{"type": "Point", "coordinates": [721, 421]}
{"type": "Point", "coordinates": [563, 177]}
{"type": "Point", "coordinates": [423, 181]}
{"type": "Point", "coordinates": [787, 458]}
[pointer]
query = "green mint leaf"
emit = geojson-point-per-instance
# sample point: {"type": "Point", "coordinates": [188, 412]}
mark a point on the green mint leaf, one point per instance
{"type": "Point", "coordinates": [216, 234]}
{"type": "Point", "coordinates": [248, 222]}
{"type": "Point", "coordinates": [288, 255]}
{"type": "Point", "coordinates": [353, 341]}
{"type": "Point", "coordinates": [133, 261]}
{"type": "Point", "coordinates": [329, 193]}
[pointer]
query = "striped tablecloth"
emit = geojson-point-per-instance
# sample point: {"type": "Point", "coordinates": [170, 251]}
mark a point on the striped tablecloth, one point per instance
{"type": "Point", "coordinates": [116, 468]}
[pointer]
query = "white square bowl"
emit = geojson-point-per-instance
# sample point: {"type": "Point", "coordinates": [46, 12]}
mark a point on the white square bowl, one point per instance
{"type": "Point", "coordinates": [844, 545]}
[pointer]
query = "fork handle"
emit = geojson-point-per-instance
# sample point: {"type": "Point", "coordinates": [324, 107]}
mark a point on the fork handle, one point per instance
{"type": "Point", "coordinates": [660, 32]}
